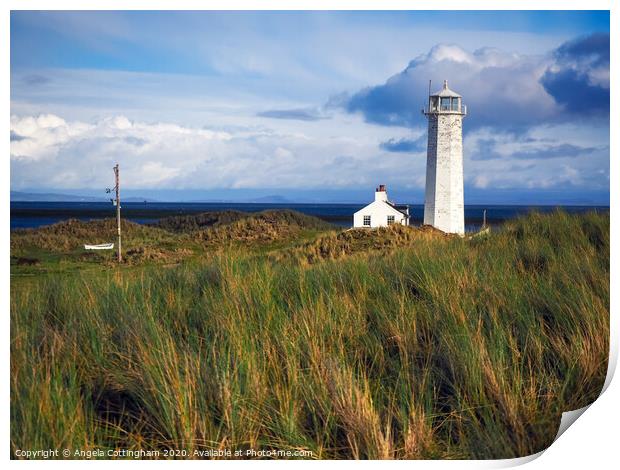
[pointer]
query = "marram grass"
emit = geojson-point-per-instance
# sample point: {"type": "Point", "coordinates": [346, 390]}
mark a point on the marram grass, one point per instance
{"type": "Point", "coordinates": [443, 348]}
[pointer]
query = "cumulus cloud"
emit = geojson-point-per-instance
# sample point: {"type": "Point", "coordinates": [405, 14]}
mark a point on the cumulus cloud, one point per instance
{"type": "Point", "coordinates": [57, 153]}
{"type": "Point", "coordinates": [523, 129]}
{"type": "Point", "coordinates": [500, 88]}
{"type": "Point", "coordinates": [52, 151]}
{"type": "Point", "coordinates": [153, 173]}
{"type": "Point", "coordinates": [40, 137]}
{"type": "Point", "coordinates": [578, 78]}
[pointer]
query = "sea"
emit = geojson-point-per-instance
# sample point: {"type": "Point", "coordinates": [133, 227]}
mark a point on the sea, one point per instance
{"type": "Point", "coordinates": [36, 214]}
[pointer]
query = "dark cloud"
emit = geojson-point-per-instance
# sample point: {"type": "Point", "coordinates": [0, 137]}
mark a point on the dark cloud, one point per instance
{"type": "Point", "coordinates": [15, 137]}
{"type": "Point", "coordinates": [392, 104]}
{"type": "Point", "coordinates": [404, 145]}
{"type": "Point", "coordinates": [571, 89]}
{"type": "Point", "coordinates": [593, 49]}
{"type": "Point", "coordinates": [501, 89]}
{"type": "Point", "coordinates": [296, 114]}
{"type": "Point", "coordinates": [487, 150]}
{"type": "Point", "coordinates": [579, 77]}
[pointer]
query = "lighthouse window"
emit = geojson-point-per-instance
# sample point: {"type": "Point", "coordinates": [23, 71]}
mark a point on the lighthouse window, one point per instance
{"type": "Point", "coordinates": [390, 220]}
{"type": "Point", "coordinates": [455, 104]}
{"type": "Point", "coordinates": [367, 220]}
{"type": "Point", "coordinates": [445, 104]}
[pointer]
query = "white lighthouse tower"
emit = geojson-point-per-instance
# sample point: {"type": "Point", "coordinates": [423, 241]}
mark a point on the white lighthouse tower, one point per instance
{"type": "Point", "coordinates": [443, 203]}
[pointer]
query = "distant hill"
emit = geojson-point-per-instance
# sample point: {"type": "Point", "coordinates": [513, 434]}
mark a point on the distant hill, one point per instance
{"type": "Point", "coordinates": [56, 197]}
{"type": "Point", "coordinates": [53, 197]}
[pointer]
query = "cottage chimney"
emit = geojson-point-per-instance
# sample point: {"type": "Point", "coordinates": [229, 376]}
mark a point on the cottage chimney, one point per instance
{"type": "Point", "coordinates": [381, 193]}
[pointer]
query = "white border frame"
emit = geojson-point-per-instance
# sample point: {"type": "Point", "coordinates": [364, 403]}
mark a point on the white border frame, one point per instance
{"type": "Point", "coordinates": [592, 442]}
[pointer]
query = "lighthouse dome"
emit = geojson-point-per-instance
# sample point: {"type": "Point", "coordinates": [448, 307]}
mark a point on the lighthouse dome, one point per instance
{"type": "Point", "coordinates": [446, 92]}
{"type": "Point", "coordinates": [445, 101]}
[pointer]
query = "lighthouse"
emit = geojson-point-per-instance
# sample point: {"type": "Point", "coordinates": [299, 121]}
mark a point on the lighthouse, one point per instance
{"type": "Point", "coordinates": [443, 202]}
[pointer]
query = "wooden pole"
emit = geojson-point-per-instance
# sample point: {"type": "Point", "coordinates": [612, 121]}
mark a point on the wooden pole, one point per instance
{"type": "Point", "coordinates": [118, 210]}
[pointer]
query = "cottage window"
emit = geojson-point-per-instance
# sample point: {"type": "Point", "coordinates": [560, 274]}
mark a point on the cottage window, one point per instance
{"type": "Point", "coordinates": [390, 219]}
{"type": "Point", "coordinates": [367, 221]}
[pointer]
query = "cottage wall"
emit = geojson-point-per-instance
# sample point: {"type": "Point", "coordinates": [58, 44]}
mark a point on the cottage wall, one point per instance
{"type": "Point", "coordinates": [378, 212]}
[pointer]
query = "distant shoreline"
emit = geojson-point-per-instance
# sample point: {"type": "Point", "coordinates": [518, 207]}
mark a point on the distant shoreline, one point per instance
{"type": "Point", "coordinates": [32, 214]}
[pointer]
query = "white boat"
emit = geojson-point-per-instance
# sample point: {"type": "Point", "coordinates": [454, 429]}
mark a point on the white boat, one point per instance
{"type": "Point", "coordinates": [102, 246]}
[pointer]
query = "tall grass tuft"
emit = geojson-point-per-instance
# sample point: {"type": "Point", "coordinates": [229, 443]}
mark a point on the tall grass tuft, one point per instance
{"type": "Point", "coordinates": [442, 348]}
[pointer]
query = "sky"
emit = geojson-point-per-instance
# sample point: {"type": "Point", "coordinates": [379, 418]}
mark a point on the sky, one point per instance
{"type": "Point", "coordinates": [309, 106]}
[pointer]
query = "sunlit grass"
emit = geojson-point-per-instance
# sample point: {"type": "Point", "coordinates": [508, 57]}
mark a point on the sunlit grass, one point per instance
{"type": "Point", "coordinates": [436, 348]}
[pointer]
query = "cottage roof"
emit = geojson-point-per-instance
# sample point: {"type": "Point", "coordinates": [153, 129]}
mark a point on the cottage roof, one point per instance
{"type": "Point", "coordinates": [402, 208]}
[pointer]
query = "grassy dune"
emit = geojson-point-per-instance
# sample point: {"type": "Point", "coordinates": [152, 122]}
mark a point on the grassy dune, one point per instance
{"type": "Point", "coordinates": [346, 345]}
{"type": "Point", "coordinates": [59, 247]}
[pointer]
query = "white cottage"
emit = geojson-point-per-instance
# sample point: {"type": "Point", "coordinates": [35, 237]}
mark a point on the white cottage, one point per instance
{"type": "Point", "coordinates": [381, 212]}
